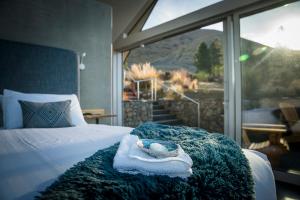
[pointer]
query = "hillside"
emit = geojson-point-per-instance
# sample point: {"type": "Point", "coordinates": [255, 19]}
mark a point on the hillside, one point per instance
{"type": "Point", "coordinates": [267, 72]}
{"type": "Point", "coordinates": [174, 53]}
{"type": "Point", "coordinates": [178, 52]}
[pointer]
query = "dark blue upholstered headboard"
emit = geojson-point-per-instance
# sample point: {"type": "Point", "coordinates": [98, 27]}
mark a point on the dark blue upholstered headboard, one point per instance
{"type": "Point", "coordinates": [38, 69]}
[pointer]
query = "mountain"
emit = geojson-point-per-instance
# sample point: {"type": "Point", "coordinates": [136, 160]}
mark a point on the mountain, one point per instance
{"type": "Point", "coordinates": [267, 71]}
{"type": "Point", "coordinates": [174, 53]}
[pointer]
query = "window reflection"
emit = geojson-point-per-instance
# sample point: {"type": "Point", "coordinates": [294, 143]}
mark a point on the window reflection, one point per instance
{"type": "Point", "coordinates": [270, 60]}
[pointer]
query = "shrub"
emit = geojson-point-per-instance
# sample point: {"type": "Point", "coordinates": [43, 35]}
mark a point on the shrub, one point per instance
{"type": "Point", "coordinates": [202, 76]}
{"type": "Point", "coordinates": [142, 71]}
{"type": "Point", "coordinates": [182, 79]}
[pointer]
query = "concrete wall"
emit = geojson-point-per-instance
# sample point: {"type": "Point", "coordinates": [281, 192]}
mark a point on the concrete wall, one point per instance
{"type": "Point", "coordinates": [78, 25]}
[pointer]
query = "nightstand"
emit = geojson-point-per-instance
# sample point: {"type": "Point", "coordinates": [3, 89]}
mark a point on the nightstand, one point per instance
{"type": "Point", "coordinates": [96, 114]}
{"type": "Point", "coordinates": [97, 117]}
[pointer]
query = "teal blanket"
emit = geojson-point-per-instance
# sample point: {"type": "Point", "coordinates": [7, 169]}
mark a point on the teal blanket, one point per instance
{"type": "Point", "coordinates": [220, 171]}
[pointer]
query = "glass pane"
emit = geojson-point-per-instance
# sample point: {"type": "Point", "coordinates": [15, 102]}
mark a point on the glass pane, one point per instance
{"type": "Point", "coordinates": [270, 61]}
{"type": "Point", "coordinates": [166, 10]}
{"type": "Point", "coordinates": [177, 81]}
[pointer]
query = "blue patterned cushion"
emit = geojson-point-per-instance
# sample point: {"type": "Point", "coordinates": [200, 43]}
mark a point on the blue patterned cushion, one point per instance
{"type": "Point", "coordinates": [46, 115]}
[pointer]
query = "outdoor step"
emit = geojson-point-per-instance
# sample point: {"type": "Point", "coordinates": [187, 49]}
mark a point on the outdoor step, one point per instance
{"type": "Point", "coordinates": [156, 107]}
{"type": "Point", "coordinates": [160, 111]}
{"type": "Point", "coordinates": [155, 103]}
{"type": "Point", "coordinates": [163, 117]}
{"type": "Point", "coordinates": [170, 122]}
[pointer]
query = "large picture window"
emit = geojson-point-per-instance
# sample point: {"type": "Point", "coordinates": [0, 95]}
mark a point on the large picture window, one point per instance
{"type": "Point", "coordinates": [180, 80]}
{"type": "Point", "coordinates": [177, 81]}
{"type": "Point", "coordinates": [270, 61]}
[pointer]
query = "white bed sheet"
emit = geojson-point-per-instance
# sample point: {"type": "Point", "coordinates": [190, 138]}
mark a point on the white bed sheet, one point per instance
{"type": "Point", "coordinates": [31, 159]}
{"type": "Point", "coordinates": [262, 174]}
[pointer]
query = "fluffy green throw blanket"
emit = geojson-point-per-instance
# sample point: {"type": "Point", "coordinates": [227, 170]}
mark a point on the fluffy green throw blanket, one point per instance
{"type": "Point", "coordinates": [220, 171]}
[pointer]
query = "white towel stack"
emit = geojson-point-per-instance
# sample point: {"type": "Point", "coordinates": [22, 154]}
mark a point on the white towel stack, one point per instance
{"type": "Point", "coordinates": [131, 159]}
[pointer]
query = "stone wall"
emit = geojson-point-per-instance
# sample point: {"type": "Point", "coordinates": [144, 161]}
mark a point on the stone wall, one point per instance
{"type": "Point", "coordinates": [136, 112]}
{"type": "Point", "coordinates": [211, 110]}
{"type": "Point", "coordinates": [211, 113]}
{"type": "Point", "coordinates": [183, 109]}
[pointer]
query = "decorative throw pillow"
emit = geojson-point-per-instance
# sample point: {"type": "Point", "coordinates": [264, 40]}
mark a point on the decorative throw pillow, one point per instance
{"type": "Point", "coordinates": [46, 115]}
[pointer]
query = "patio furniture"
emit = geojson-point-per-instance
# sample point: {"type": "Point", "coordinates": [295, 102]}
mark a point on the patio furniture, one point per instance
{"type": "Point", "coordinates": [293, 121]}
{"type": "Point", "coordinates": [274, 147]}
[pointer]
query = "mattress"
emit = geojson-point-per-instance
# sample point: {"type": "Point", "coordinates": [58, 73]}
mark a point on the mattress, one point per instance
{"type": "Point", "coordinates": [32, 159]}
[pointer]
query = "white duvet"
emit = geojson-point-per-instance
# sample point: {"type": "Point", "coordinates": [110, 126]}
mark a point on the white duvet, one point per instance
{"type": "Point", "coordinates": [31, 159]}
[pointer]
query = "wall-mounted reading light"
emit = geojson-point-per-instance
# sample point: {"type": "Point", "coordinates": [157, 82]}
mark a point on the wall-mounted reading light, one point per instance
{"type": "Point", "coordinates": [81, 65]}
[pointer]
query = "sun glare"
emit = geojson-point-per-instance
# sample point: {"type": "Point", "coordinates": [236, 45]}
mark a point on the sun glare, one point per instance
{"type": "Point", "coordinates": [288, 34]}
{"type": "Point", "coordinates": [282, 30]}
{"type": "Point", "coordinates": [284, 33]}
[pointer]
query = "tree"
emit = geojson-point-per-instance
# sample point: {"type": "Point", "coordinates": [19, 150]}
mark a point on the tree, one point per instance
{"type": "Point", "coordinates": [215, 49]}
{"type": "Point", "coordinates": [216, 57]}
{"type": "Point", "coordinates": [202, 58]}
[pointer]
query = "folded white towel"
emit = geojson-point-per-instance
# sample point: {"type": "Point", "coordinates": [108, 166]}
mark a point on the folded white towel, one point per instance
{"type": "Point", "coordinates": [131, 159]}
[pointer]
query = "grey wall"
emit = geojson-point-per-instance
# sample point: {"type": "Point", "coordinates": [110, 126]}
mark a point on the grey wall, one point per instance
{"type": "Point", "coordinates": [79, 25]}
{"type": "Point", "coordinates": [124, 12]}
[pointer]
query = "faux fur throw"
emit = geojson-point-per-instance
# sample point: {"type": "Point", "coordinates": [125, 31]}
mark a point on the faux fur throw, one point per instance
{"type": "Point", "coordinates": [220, 171]}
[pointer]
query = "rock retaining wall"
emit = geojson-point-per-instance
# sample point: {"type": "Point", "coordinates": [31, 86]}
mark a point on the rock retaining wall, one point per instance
{"type": "Point", "coordinates": [211, 113]}
{"type": "Point", "coordinates": [136, 112]}
{"type": "Point", "coordinates": [211, 110]}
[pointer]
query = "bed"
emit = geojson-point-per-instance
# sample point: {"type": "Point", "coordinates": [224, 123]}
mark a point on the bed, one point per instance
{"type": "Point", "coordinates": [32, 159]}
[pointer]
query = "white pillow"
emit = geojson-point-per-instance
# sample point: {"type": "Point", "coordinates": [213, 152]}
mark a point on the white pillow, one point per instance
{"type": "Point", "coordinates": [12, 112]}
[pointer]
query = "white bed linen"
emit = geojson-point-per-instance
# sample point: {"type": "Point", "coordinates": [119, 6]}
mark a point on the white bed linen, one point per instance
{"type": "Point", "coordinates": [31, 159]}
{"type": "Point", "coordinates": [262, 175]}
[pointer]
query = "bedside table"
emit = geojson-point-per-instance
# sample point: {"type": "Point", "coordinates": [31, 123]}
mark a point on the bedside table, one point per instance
{"type": "Point", "coordinates": [96, 114]}
{"type": "Point", "coordinates": [97, 117]}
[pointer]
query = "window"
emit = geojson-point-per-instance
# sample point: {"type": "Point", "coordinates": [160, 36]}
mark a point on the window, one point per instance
{"type": "Point", "coordinates": [167, 10]}
{"type": "Point", "coordinates": [178, 80]}
{"type": "Point", "coordinates": [270, 61]}
{"type": "Point", "coordinates": [191, 65]}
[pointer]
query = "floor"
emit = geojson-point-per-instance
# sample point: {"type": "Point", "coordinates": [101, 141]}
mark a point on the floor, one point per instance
{"type": "Point", "coordinates": [287, 191]}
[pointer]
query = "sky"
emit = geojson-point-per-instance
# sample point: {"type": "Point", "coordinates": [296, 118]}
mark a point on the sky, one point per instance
{"type": "Point", "coordinates": [166, 10]}
{"type": "Point", "coordinates": [279, 27]}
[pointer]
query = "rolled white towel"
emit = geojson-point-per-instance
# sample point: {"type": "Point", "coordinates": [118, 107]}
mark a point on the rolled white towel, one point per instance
{"type": "Point", "coordinates": [131, 159]}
